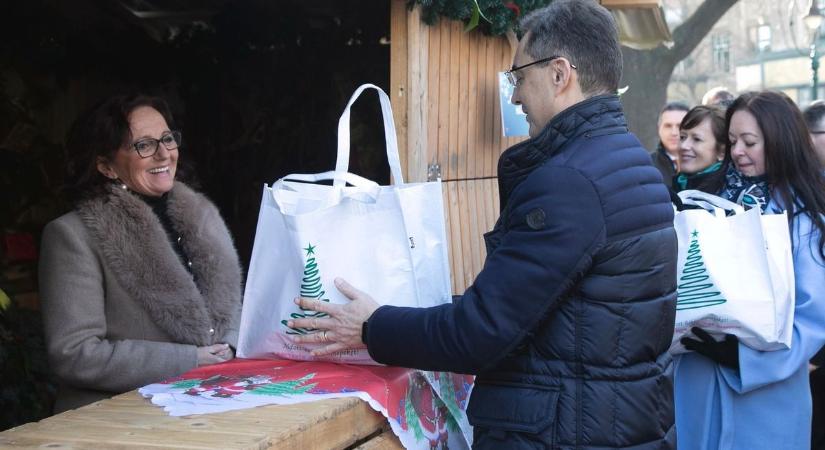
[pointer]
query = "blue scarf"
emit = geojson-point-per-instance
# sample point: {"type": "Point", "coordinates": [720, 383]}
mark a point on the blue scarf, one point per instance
{"type": "Point", "coordinates": [746, 191]}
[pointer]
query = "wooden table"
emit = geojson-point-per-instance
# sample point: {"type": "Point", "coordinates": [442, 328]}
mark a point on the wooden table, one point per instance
{"type": "Point", "coordinates": [129, 421]}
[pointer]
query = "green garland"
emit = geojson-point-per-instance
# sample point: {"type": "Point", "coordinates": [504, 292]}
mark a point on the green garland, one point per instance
{"type": "Point", "coordinates": [493, 17]}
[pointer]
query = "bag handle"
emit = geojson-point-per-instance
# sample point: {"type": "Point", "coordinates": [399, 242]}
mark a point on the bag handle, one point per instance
{"type": "Point", "coordinates": [342, 162]}
{"type": "Point", "coordinates": [367, 188]}
{"type": "Point", "coordinates": [709, 202]}
{"type": "Point", "coordinates": [344, 177]}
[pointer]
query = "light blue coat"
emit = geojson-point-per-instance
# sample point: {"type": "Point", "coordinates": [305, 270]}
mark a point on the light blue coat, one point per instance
{"type": "Point", "coordinates": [766, 404]}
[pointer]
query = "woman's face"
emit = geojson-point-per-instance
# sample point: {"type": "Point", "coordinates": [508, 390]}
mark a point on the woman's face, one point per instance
{"type": "Point", "coordinates": [698, 148]}
{"type": "Point", "coordinates": [747, 145]}
{"type": "Point", "coordinates": [152, 176]}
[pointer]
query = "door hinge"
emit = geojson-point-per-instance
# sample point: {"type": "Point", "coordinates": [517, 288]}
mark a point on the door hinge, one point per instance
{"type": "Point", "coordinates": [433, 172]}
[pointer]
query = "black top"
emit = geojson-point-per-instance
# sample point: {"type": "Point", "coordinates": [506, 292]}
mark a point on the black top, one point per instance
{"type": "Point", "coordinates": [709, 182]}
{"type": "Point", "coordinates": [160, 207]}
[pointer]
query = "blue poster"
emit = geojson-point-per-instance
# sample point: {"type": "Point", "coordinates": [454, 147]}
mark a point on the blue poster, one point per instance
{"type": "Point", "coordinates": [513, 120]}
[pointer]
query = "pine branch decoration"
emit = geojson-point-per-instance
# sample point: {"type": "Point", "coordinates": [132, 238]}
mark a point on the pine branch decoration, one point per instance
{"type": "Point", "coordinates": [501, 15]}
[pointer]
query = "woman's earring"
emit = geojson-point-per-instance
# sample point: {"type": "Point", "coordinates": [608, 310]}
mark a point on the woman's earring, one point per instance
{"type": "Point", "coordinates": [122, 184]}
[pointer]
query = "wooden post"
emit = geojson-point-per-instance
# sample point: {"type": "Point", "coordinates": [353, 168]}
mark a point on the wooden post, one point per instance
{"type": "Point", "coordinates": [399, 87]}
{"type": "Point", "coordinates": [417, 61]}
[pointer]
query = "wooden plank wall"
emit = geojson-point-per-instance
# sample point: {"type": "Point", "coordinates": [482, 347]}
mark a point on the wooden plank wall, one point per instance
{"type": "Point", "coordinates": [445, 94]}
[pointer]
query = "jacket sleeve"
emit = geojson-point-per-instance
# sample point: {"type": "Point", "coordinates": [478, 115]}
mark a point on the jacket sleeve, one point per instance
{"type": "Point", "coordinates": [231, 335]}
{"type": "Point", "coordinates": [757, 368]}
{"type": "Point", "coordinates": [74, 314]}
{"type": "Point", "coordinates": [522, 282]}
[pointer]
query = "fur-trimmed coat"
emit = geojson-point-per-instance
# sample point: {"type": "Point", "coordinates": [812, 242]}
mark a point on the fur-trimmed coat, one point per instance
{"type": "Point", "coordinates": [120, 309]}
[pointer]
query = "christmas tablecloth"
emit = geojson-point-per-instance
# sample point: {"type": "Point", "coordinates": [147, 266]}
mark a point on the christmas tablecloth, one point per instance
{"type": "Point", "coordinates": [424, 409]}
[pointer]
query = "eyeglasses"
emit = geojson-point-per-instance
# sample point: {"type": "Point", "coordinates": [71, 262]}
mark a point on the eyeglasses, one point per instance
{"type": "Point", "coordinates": [511, 76]}
{"type": "Point", "coordinates": [149, 146]}
{"type": "Point", "coordinates": [817, 132]}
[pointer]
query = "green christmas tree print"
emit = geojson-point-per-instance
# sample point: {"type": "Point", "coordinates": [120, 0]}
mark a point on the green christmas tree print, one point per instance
{"type": "Point", "coordinates": [448, 397]}
{"type": "Point", "coordinates": [226, 386]}
{"type": "Point", "coordinates": [289, 387]}
{"type": "Point", "coordinates": [186, 384]}
{"type": "Point", "coordinates": [311, 287]}
{"type": "Point", "coordinates": [413, 420]}
{"type": "Point", "coordinates": [694, 290]}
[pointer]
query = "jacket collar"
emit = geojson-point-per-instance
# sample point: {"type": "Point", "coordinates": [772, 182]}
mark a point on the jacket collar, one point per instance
{"type": "Point", "coordinates": [582, 119]}
{"type": "Point", "coordinates": [135, 247]}
{"type": "Point", "coordinates": [662, 154]}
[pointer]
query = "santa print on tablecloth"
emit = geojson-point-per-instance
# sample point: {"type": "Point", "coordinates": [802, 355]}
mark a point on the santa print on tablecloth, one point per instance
{"type": "Point", "coordinates": [424, 414]}
{"type": "Point", "coordinates": [311, 287]}
{"type": "Point", "coordinates": [429, 416]}
{"type": "Point", "coordinates": [695, 289]}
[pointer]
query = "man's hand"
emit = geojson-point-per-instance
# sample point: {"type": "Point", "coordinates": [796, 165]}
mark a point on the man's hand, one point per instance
{"type": "Point", "coordinates": [342, 329]}
{"type": "Point", "coordinates": [725, 352]}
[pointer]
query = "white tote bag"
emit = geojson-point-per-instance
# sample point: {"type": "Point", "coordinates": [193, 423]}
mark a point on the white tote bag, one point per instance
{"type": "Point", "coordinates": [388, 241]}
{"type": "Point", "coordinates": [734, 273]}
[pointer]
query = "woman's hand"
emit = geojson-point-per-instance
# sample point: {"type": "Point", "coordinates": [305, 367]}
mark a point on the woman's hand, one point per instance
{"type": "Point", "coordinates": [725, 352]}
{"type": "Point", "coordinates": [214, 354]}
{"type": "Point", "coordinates": [342, 329]}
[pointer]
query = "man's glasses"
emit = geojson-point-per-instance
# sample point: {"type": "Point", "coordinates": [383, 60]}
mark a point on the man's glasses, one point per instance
{"type": "Point", "coordinates": [511, 76]}
{"type": "Point", "coordinates": [149, 146]}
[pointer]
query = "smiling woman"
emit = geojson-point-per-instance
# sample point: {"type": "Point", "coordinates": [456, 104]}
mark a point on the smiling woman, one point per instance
{"type": "Point", "coordinates": [145, 166]}
{"type": "Point", "coordinates": [702, 141]}
{"type": "Point", "coordinates": [141, 281]}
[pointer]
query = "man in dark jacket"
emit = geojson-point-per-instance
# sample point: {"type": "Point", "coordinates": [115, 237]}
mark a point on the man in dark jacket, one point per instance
{"type": "Point", "coordinates": [567, 326]}
{"type": "Point", "coordinates": [666, 155]}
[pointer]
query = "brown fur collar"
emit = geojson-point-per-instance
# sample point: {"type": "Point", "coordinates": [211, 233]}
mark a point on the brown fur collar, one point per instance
{"type": "Point", "coordinates": [137, 250]}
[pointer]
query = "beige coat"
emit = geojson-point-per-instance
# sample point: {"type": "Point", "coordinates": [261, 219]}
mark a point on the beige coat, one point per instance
{"type": "Point", "coordinates": [120, 310]}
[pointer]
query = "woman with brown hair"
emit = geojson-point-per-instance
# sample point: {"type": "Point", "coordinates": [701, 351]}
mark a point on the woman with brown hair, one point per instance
{"type": "Point", "coordinates": [141, 280]}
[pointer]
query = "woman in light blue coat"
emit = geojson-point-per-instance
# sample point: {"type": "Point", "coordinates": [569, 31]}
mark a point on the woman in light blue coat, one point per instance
{"type": "Point", "coordinates": [729, 396]}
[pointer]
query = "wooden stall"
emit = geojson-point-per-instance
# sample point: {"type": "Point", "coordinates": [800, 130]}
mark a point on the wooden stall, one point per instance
{"type": "Point", "coordinates": [444, 90]}
{"type": "Point", "coordinates": [129, 421]}
{"type": "Point", "coordinates": [443, 85]}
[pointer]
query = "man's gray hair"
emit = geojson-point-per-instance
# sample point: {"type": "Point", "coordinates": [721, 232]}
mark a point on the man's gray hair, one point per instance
{"type": "Point", "coordinates": [585, 33]}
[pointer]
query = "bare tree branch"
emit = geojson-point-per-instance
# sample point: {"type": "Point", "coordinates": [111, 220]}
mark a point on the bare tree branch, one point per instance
{"type": "Point", "coordinates": [690, 33]}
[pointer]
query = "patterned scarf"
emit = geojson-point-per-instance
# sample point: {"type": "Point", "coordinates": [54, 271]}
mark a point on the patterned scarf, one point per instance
{"type": "Point", "coordinates": [746, 191]}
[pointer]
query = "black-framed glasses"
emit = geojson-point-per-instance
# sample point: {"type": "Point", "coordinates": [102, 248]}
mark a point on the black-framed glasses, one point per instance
{"type": "Point", "coordinates": [817, 132]}
{"type": "Point", "coordinates": [149, 146]}
{"type": "Point", "coordinates": [511, 76]}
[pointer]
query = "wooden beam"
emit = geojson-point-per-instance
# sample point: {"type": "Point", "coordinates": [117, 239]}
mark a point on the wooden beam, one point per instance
{"type": "Point", "coordinates": [417, 63]}
{"type": "Point", "coordinates": [399, 85]}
